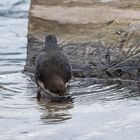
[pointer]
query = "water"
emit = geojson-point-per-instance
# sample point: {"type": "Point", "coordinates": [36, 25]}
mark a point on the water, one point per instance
{"type": "Point", "coordinates": [99, 111]}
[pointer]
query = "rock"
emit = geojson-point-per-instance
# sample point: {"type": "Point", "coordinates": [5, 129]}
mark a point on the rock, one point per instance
{"type": "Point", "coordinates": [100, 38]}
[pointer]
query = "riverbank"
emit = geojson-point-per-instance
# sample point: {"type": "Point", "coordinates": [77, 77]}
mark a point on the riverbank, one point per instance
{"type": "Point", "coordinates": [102, 33]}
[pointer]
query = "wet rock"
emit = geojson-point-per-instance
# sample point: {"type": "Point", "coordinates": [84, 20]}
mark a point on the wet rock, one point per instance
{"type": "Point", "coordinates": [93, 60]}
{"type": "Point", "coordinates": [100, 38]}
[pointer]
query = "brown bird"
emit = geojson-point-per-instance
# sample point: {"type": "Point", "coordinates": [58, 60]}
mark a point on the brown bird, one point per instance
{"type": "Point", "coordinates": [52, 68]}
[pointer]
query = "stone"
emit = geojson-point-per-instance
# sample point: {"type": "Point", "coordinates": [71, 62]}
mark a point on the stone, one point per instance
{"type": "Point", "coordinates": [100, 38]}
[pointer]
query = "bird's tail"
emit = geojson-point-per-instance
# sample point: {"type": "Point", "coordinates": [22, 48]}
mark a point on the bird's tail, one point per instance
{"type": "Point", "coordinates": [56, 85]}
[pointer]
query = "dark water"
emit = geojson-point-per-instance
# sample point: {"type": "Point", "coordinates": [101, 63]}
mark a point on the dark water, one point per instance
{"type": "Point", "coordinates": [99, 111]}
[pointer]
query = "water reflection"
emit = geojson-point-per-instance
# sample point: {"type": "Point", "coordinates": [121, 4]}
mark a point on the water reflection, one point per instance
{"type": "Point", "coordinates": [55, 112]}
{"type": "Point", "coordinates": [87, 92]}
{"type": "Point", "coordinates": [106, 90]}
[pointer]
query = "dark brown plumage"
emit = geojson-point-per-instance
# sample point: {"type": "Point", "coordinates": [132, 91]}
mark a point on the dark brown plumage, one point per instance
{"type": "Point", "coordinates": [52, 68]}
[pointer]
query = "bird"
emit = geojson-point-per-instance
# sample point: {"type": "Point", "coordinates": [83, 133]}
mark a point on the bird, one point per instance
{"type": "Point", "coordinates": [52, 68]}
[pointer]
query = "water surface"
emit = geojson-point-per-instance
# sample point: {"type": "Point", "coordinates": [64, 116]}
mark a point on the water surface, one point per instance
{"type": "Point", "coordinates": [101, 110]}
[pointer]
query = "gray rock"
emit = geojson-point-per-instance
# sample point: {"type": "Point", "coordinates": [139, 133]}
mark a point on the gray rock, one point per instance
{"type": "Point", "coordinates": [103, 37]}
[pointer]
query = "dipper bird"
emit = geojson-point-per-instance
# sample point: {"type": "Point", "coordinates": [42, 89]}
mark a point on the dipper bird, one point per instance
{"type": "Point", "coordinates": [52, 68]}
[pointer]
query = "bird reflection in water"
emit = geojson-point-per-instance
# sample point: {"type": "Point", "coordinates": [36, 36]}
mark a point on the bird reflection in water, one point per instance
{"type": "Point", "coordinates": [54, 112]}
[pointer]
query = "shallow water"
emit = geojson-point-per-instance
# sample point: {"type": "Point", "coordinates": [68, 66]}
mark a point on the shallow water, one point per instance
{"type": "Point", "coordinates": [100, 110]}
